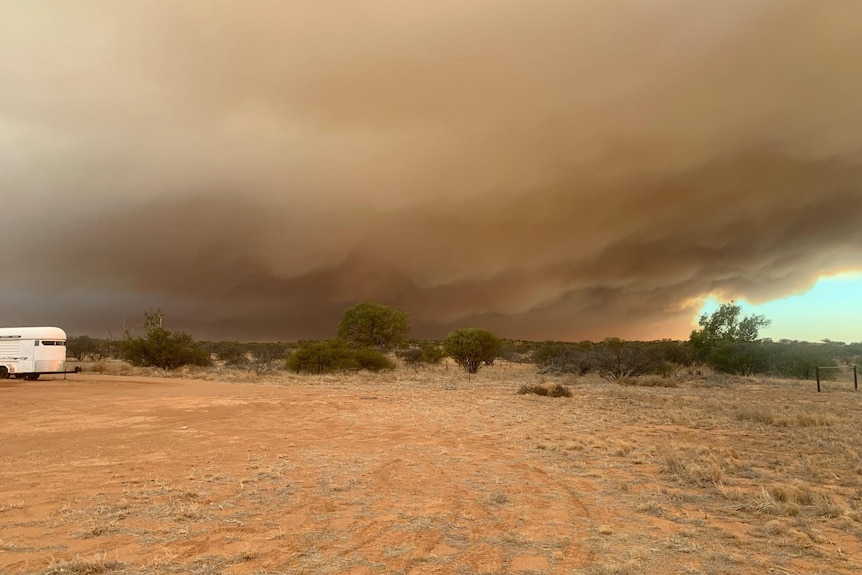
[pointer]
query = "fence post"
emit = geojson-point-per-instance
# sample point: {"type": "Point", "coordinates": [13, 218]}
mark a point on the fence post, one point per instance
{"type": "Point", "coordinates": [817, 369]}
{"type": "Point", "coordinates": [855, 380]}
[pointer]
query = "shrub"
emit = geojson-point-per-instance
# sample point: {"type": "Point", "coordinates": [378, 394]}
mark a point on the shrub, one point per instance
{"type": "Point", "coordinates": [739, 358]}
{"type": "Point", "coordinates": [333, 356]}
{"type": "Point", "coordinates": [161, 347]}
{"type": "Point", "coordinates": [563, 358]}
{"type": "Point", "coordinates": [82, 346]}
{"type": "Point", "coordinates": [322, 357]}
{"type": "Point", "coordinates": [372, 360]}
{"type": "Point", "coordinates": [164, 349]}
{"type": "Point", "coordinates": [553, 390]}
{"type": "Point", "coordinates": [412, 356]}
{"type": "Point", "coordinates": [232, 353]}
{"type": "Point", "coordinates": [615, 358]}
{"type": "Point", "coordinates": [425, 353]}
{"type": "Point", "coordinates": [472, 347]}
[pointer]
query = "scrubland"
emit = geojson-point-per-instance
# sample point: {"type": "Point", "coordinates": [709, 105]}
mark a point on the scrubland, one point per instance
{"type": "Point", "coordinates": [210, 471]}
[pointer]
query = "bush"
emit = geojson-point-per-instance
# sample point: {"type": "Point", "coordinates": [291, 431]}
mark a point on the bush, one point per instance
{"type": "Point", "coordinates": [739, 358]}
{"type": "Point", "coordinates": [164, 349]}
{"type": "Point", "coordinates": [472, 347]}
{"type": "Point", "coordinates": [426, 353]}
{"type": "Point", "coordinates": [232, 353]}
{"type": "Point", "coordinates": [553, 390]}
{"type": "Point", "coordinates": [615, 358]}
{"type": "Point", "coordinates": [563, 358]}
{"type": "Point", "coordinates": [372, 360]}
{"type": "Point", "coordinates": [321, 357]}
{"type": "Point", "coordinates": [81, 347]}
{"type": "Point", "coordinates": [333, 356]}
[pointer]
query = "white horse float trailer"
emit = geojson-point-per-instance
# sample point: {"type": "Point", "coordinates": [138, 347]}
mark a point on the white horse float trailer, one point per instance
{"type": "Point", "coordinates": [28, 352]}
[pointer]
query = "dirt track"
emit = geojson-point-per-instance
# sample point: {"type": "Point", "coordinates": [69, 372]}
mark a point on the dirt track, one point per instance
{"type": "Point", "coordinates": [157, 475]}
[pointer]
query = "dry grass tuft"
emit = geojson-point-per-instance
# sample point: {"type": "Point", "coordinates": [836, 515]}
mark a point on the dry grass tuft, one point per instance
{"type": "Point", "coordinates": [546, 390]}
{"type": "Point", "coordinates": [770, 415]}
{"type": "Point", "coordinates": [698, 467]}
{"type": "Point", "coordinates": [648, 381]}
{"type": "Point", "coordinates": [80, 566]}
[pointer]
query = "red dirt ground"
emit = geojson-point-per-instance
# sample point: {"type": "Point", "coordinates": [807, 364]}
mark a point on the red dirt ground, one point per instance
{"type": "Point", "coordinates": [160, 475]}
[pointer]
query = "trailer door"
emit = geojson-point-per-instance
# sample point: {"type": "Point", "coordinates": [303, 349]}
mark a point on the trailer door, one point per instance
{"type": "Point", "coordinates": [10, 353]}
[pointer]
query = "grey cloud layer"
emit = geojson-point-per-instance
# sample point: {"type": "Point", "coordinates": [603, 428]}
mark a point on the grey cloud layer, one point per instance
{"type": "Point", "coordinates": [552, 169]}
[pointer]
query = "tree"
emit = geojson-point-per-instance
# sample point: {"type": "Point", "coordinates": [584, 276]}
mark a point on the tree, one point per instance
{"type": "Point", "coordinates": [725, 326]}
{"type": "Point", "coordinates": [717, 342]}
{"type": "Point", "coordinates": [375, 325]}
{"type": "Point", "coordinates": [161, 347]}
{"type": "Point", "coordinates": [82, 346]}
{"type": "Point", "coordinates": [471, 347]}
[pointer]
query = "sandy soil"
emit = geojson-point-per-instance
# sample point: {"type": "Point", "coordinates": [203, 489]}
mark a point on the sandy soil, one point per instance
{"type": "Point", "coordinates": [357, 475]}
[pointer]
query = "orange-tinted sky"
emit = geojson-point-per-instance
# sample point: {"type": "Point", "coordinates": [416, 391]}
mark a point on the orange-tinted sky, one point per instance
{"type": "Point", "coordinates": [557, 169]}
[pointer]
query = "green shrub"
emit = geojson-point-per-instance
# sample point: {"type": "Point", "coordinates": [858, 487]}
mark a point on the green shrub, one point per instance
{"type": "Point", "coordinates": [472, 347]}
{"type": "Point", "coordinates": [426, 353]}
{"type": "Point", "coordinates": [322, 357]}
{"type": "Point", "coordinates": [333, 356]}
{"type": "Point", "coordinates": [372, 360]}
{"type": "Point", "coordinates": [161, 347]}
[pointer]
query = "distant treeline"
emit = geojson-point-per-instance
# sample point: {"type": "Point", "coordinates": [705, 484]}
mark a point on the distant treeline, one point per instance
{"type": "Point", "coordinates": [369, 334]}
{"type": "Point", "coordinates": [612, 358]}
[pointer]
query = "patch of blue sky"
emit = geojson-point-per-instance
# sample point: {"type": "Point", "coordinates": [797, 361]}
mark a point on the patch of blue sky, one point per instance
{"type": "Point", "coordinates": [831, 309]}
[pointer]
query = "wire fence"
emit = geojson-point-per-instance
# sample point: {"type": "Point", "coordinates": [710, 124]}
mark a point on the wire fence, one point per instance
{"type": "Point", "coordinates": [844, 368]}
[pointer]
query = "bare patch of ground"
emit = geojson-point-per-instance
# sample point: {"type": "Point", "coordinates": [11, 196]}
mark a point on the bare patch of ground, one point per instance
{"type": "Point", "coordinates": [427, 472]}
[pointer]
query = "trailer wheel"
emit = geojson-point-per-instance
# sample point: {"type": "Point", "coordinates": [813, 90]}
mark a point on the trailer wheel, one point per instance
{"type": "Point", "coordinates": [4, 372]}
{"type": "Point", "coordinates": [31, 376]}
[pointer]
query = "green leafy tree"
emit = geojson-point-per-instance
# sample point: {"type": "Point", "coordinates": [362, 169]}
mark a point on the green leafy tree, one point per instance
{"type": "Point", "coordinates": [725, 340]}
{"type": "Point", "coordinates": [160, 347]}
{"type": "Point", "coordinates": [472, 347]}
{"type": "Point", "coordinates": [370, 324]}
{"type": "Point", "coordinates": [722, 327]}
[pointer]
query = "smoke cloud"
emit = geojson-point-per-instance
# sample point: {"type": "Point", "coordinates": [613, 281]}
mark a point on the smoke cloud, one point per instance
{"type": "Point", "coordinates": [556, 169]}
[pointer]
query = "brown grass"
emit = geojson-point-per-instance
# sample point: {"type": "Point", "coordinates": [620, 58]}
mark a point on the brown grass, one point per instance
{"type": "Point", "coordinates": [648, 381]}
{"type": "Point", "coordinates": [545, 389]}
